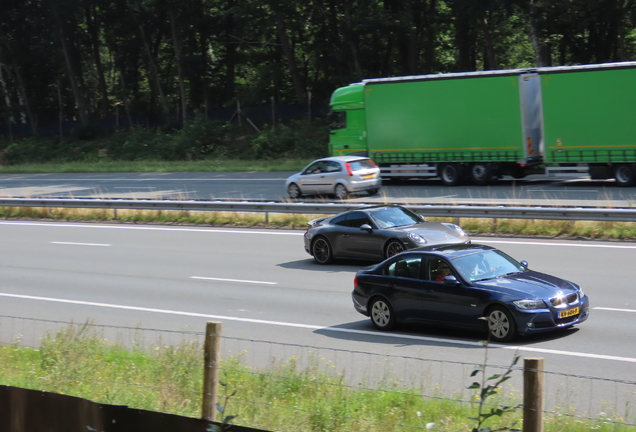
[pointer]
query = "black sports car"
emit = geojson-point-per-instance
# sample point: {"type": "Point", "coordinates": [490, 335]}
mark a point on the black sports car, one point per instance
{"type": "Point", "coordinates": [375, 233]}
{"type": "Point", "coordinates": [472, 286]}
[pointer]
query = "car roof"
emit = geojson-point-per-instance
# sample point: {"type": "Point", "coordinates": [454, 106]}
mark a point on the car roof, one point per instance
{"type": "Point", "coordinates": [342, 158]}
{"type": "Point", "coordinates": [372, 208]}
{"type": "Point", "coordinates": [452, 250]}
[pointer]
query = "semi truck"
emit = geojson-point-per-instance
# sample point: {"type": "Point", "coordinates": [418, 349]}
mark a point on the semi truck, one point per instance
{"type": "Point", "coordinates": [479, 126]}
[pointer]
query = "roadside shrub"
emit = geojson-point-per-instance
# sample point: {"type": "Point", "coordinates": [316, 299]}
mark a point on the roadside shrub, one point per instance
{"type": "Point", "coordinates": [30, 150]}
{"type": "Point", "coordinates": [135, 144]}
{"type": "Point", "coordinates": [300, 139]}
{"type": "Point", "coordinates": [197, 140]}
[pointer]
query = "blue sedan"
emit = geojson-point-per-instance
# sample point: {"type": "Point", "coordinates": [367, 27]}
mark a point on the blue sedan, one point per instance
{"type": "Point", "coordinates": [469, 286]}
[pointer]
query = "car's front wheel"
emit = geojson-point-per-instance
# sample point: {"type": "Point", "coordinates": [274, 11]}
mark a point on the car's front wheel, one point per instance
{"type": "Point", "coordinates": [382, 315]}
{"type": "Point", "coordinates": [501, 324]}
{"type": "Point", "coordinates": [321, 250]}
{"type": "Point", "coordinates": [393, 247]}
{"type": "Point", "coordinates": [294, 191]}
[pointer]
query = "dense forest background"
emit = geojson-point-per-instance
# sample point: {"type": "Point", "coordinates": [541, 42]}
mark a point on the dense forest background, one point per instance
{"type": "Point", "coordinates": [85, 60]}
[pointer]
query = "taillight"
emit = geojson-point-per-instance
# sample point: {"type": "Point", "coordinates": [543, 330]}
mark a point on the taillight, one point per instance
{"type": "Point", "coordinates": [349, 170]}
{"type": "Point", "coordinates": [355, 281]}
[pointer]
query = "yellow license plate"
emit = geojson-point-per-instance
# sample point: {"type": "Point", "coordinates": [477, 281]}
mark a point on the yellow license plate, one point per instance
{"type": "Point", "coordinates": [569, 313]}
{"type": "Point", "coordinates": [367, 176]}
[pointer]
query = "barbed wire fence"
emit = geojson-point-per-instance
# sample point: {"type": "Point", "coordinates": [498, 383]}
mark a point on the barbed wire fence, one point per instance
{"type": "Point", "coordinates": [285, 373]}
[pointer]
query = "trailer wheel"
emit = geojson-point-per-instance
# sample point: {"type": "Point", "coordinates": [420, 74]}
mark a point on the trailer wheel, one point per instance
{"type": "Point", "coordinates": [451, 174]}
{"type": "Point", "coordinates": [481, 173]}
{"type": "Point", "coordinates": [517, 172]}
{"type": "Point", "coordinates": [625, 175]}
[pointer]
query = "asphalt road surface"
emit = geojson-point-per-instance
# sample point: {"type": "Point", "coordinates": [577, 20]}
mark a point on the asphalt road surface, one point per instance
{"type": "Point", "coordinates": [271, 297]}
{"type": "Point", "coordinates": [270, 186]}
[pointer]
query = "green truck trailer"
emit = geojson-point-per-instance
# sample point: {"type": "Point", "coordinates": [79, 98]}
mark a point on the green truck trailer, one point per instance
{"type": "Point", "coordinates": [479, 126]}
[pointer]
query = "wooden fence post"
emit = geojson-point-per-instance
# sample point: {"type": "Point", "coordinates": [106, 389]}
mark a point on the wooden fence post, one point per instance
{"type": "Point", "coordinates": [533, 395]}
{"type": "Point", "coordinates": [211, 365]}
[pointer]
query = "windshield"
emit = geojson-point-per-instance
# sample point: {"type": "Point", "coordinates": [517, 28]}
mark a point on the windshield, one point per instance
{"type": "Point", "coordinates": [395, 216]}
{"type": "Point", "coordinates": [486, 265]}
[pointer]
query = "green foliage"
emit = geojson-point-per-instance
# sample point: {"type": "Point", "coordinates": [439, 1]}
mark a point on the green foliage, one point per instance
{"type": "Point", "coordinates": [201, 139]}
{"type": "Point", "coordinates": [487, 389]}
{"type": "Point", "coordinates": [304, 395]}
{"type": "Point", "coordinates": [299, 138]}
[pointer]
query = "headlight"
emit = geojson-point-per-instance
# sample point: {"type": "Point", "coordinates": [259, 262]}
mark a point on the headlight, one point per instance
{"type": "Point", "coordinates": [581, 293]}
{"type": "Point", "coordinates": [417, 238]}
{"type": "Point", "coordinates": [456, 228]}
{"type": "Point", "coordinates": [530, 304]}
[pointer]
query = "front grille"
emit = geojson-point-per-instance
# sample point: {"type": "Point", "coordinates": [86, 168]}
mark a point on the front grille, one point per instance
{"type": "Point", "coordinates": [560, 301]}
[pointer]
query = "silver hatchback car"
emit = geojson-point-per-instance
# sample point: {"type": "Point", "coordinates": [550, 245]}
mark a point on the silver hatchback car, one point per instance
{"type": "Point", "coordinates": [338, 175]}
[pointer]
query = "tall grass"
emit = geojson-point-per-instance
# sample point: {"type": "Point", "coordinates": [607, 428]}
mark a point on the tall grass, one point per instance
{"type": "Point", "coordinates": [220, 164]}
{"type": "Point", "coordinates": [473, 226]}
{"type": "Point", "coordinates": [78, 361]}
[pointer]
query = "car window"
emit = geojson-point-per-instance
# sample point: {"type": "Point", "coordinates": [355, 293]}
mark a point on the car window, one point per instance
{"type": "Point", "coordinates": [408, 267]}
{"type": "Point", "coordinates": [340, 220]}
{"type": "Point", "coordinates": [333, 166]}
{"type": "Point", "coordinates": [395, 216]}
{"type": "Point", "coordinates": [436, 270]}
{"type": "Point", "coordinates": [316, 168]}
{"type": "Point", "coordinates": [356, 219]}
{"type": "Point", "coordinates": [362, 164]}
{"type": "Point", "coordinates": [487, 264]}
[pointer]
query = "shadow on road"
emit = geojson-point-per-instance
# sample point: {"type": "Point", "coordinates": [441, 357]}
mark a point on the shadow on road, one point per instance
{"type": "Point", "coordinates": [410, 335]}
{"type": "Point", "coordinates": [336, 267]}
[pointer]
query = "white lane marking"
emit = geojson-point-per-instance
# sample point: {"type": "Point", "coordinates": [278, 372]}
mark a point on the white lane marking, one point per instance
{"type": "Point", "coordinates": [559, 244]}
{"type": "Point", "coordinates": [156, 228]}
{"type": "Point", "coordinates": [80, 244]}
{"type": "Point", "coordinates": [233, 280]}
{"type": "Point", "coordinates": [322, 328]}
{"type": "Point", "coordinates": [615, 309]}
{"type": "Point", "coordinates": [275, 232]}
{"type": "Point", "coordinates": [285, 233]}
{"type": "Point", "coordinates": [562, 190]}
{"type": "Point", "coordinates": [143, 179]}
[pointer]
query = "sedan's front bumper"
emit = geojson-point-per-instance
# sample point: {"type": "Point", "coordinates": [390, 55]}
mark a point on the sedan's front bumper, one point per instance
{"type": "Point", "coordinates": [545, 320]}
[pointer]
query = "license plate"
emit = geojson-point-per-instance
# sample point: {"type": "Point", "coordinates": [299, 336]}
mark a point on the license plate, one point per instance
{"type": "Point", "coordinates": [368, 176]}
{"type": "Point", "coordinates": [569, 313]}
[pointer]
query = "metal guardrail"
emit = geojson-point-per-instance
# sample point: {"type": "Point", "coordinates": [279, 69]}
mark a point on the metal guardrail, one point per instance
{"type": "Point", "coordinates": [456, 211]}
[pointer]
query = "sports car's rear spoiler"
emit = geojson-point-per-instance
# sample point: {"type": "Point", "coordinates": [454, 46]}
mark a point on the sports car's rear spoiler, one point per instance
{"type": "Point", "coordinates": [316, 222]}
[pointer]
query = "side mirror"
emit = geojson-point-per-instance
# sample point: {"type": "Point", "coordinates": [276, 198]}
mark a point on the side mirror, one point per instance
{"type": "Point", "coordinates": [366, 227]}
{"type": "Point", "coordinates": [451, 280]}
{"type": "Point", "coordinates": [524, 263]}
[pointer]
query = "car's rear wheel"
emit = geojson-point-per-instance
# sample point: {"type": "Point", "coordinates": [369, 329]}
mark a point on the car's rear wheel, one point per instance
{"type": "Point", "coordinates": [340, 191]}
{"type": "Point", "coordinates": [294, 191]}
{"type": "Point", "coordinates": [373, 191]}
{"type": "Point", "coordinates": [321, 250]}
{"type": "Point", "coordinates": [501, 324]}
{"type": "Point", "coordinates": [382, 315]}
{"type": "Point", "coordinates": [393, 247]}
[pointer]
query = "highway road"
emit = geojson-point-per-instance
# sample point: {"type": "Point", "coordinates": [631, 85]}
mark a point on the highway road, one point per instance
{"type": "Point", "coordinates": [534, 190]}
{"type": "Point", "coordinates": [263, 287]}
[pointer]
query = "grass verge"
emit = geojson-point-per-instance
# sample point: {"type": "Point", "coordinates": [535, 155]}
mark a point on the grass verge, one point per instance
{"type": "Point", "coordinates": [473, 226]}
{"type": "Point", "coordinates": [78, 361]}
{"type": "Point", "coordinates": [207, 165]}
